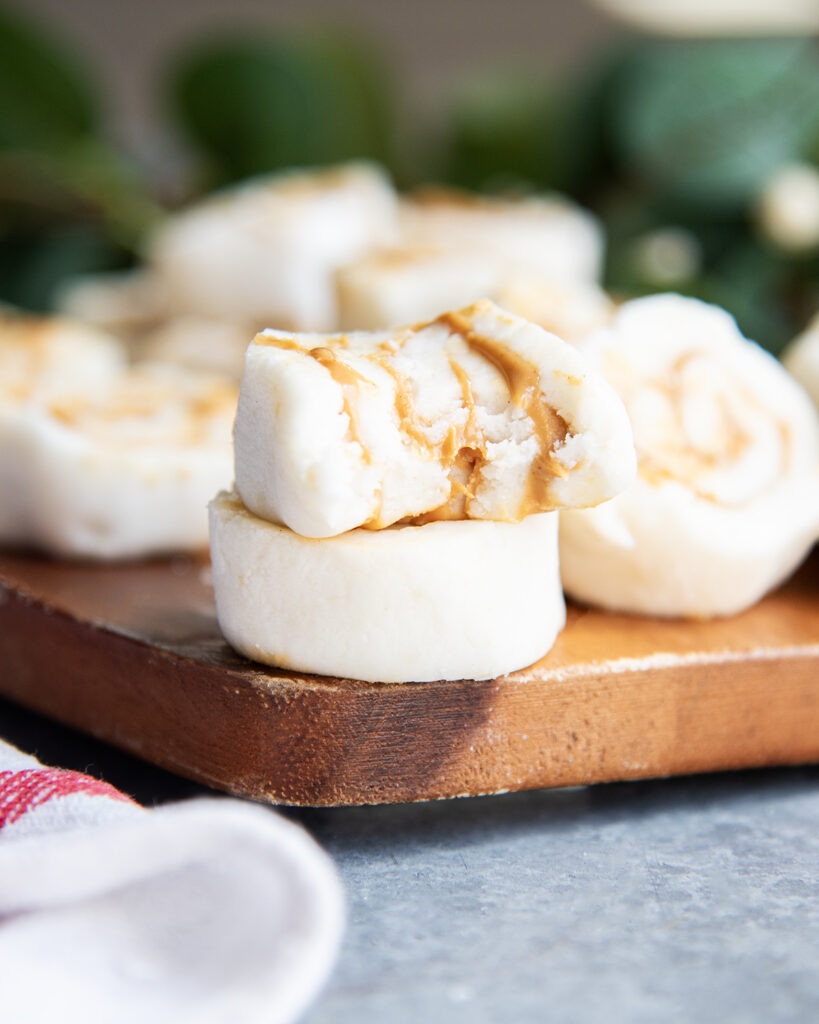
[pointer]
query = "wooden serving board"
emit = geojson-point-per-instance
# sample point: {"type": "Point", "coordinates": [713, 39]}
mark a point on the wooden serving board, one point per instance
{"type": "Point", "coordinates": [133, 655]}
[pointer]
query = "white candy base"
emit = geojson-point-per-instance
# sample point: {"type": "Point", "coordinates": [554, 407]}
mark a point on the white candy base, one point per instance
{"type": "Point", "coordinates": [449, 600]}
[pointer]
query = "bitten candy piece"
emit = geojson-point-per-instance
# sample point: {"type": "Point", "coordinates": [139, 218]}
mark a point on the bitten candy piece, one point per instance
{"type": "Point", "coordinates": [477, 414]}
{"type": "Point", "coordinates": [726, 500]}
{"type": "Point", "coordinates": [448, 600]}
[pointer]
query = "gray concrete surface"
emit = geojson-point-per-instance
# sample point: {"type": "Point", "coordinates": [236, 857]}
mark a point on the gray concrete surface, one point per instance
{"type": "Point", "coordinates": [681, 900]}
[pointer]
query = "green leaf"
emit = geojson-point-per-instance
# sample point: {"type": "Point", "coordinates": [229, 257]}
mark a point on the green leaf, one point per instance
{"type": "Point", "coordinates": [499, 133]}
{"type": "Point", "coordinates": [34, 260]}
{"type": "Point", "coordinates": [750, 281]}
{"type": "Point", "coordinates": [109, 184]}
{"type": "Point", "coordinates": [259, 104]}
{"type": "Point", "coordinates": [511, 126]}
{"type": "Point", "coordinates": [45, 97]}
{"type": "Point", "coordinates": [84, 182]}
{"type": "Point", "coordinates": [581, 155]}
{"type": "Point", "coordinates": [707, 122]}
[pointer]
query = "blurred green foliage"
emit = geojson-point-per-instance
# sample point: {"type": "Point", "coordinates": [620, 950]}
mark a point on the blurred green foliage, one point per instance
{"type": "Point", "coordinates": [69, 202]}
{"type": "Point", "coordinates": [706, 123]}
{"type": "Point", "coordinates": [686, 133]}
{"type": "Point", "coordinates": [657, 135]}
{"type": "Point", "coordinates": [499, 136]}
{"type": "Point", "coordinates": [262, 103]}
{"type": "Point", "coordinates": [46, 100]}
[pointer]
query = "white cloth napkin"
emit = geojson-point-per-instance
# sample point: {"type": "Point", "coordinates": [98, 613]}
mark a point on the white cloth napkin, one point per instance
{"type": "Point", "coordinates": [212, 911]}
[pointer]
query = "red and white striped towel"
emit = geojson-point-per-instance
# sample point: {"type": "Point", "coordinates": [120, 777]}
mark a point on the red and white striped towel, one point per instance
{"type": "Point", "coordinates": [211, 911]}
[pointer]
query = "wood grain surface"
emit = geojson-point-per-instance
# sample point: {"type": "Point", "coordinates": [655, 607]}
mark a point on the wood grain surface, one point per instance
{"type": "Point", "coordinates": [133, 655]}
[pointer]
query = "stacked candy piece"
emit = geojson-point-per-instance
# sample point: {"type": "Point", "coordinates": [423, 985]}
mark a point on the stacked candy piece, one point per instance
{"type": "Point", "coordinates": [396, 492]}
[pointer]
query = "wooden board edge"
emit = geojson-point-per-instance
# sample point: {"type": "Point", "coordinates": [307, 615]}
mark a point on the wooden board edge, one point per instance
{"type": "Point", "coordinates": [341, 745]}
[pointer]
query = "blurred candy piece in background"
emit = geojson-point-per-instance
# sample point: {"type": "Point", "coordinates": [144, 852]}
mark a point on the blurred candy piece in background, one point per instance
{"type": "Point", "coordinates": [801, 358]}
{"type": "Point", "coordinates": [788, 208]}
{"type": "Point", "coordinates": [717, 17]}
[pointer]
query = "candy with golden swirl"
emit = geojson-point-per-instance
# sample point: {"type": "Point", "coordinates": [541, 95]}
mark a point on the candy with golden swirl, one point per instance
{"type": "Point", "coordinates": [726, 501]}
{"type": "Point", "coordinates": [106, 461]}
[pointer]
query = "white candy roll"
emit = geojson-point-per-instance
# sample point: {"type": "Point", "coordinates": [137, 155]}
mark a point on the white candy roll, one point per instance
{"type": "Point", "coordinates": [447, 600]}
{"type": "Point", "coordinates": [125, 472]}
{"type": "Point", "coordinates": [42, 357]}
{"type": "Point", "coordinates": [726, 500]}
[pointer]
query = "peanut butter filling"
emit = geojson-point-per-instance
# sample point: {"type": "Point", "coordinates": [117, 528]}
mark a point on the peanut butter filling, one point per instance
{"type": "Point", "coordinates": [288, 344]}
{"type": "Point", "coordinates": [523, 381]}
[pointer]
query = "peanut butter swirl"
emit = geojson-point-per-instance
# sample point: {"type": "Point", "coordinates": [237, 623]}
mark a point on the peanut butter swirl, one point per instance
{"type": "Point", "coordinates": [696, 466]}
{"type": "Point", "coordinates": [523, 381]}
{"type": "Point", "coordinates": [350, 382]}
{"type": "Point", "coordinates": [146, 405]}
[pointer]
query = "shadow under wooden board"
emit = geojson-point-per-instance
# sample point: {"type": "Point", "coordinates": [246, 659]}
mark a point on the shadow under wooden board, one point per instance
{"type": "Point", "coordinates": [133, 655]}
